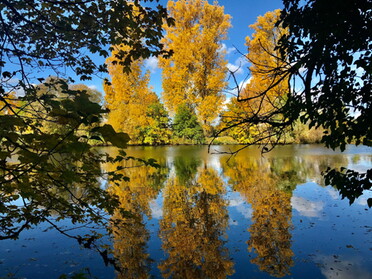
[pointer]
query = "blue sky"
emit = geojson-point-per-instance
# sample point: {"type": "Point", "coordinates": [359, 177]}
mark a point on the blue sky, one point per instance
{"type": "Point", "coordinates": [243, 13]}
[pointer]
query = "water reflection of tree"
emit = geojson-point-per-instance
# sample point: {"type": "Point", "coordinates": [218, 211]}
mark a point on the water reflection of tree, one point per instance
{"type": "Point", "coordinates": [129, 232]}
{"type": "Point", "coordinates": [270, 235]}
{"type": "Point", "coordinates": [193, 227]}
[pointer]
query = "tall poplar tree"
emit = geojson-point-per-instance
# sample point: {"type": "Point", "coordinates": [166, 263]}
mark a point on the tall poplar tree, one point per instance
{"type": "Point", "coordinates": [258, 101]}
{"type": "Point", "coordinates": [195, 73]}
{"type": "Point", "coordinates": [128, 96]}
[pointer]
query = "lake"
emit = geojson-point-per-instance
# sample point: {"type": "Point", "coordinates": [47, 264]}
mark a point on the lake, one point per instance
{"type": "Point", "coordinates": [210, 215]}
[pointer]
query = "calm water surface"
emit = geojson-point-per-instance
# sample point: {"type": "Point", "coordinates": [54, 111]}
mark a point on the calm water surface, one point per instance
{"type": "Point", "coordinates": [205, 215]}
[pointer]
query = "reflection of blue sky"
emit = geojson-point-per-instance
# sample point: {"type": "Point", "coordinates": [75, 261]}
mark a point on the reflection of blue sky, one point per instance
{"type": "Point", "coordinates": [317, 149]}
{"type": "Point", "coordinates": [307, 208]}
{"type": "Point", "coordinates": [332, 266]}
{"type": "Point", "coordinates": [156, 207]}
{"type": "Point", "coordinates": [362, 165]}
{"type": "Point", "coordinates": [215, 163]}
{"type": "Point", "coordinates": [333, 193]}
{"type": "Point", "coordinates": [237, 201]}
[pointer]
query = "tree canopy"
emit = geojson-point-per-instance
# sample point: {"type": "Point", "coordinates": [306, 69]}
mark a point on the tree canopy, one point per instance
{"type": "Point", "coordinates": [51, 174]}
{"type": "Point", "coordinates": [326, 57]}
{"type": "Point", "coordinates": [329, 49]}
{"type": "Point", "coordinates": [329, 52]}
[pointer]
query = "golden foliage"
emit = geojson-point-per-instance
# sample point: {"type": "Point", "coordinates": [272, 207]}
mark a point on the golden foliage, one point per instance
{"type": "Point", "coordinates": [195, 74]}
{"type": "Point", "coordinates": [128, 96]}
{"type": "Point", "coordinates": [270, 235]}
{"type": "Point", "coordinates": [266, 89]}
{"type": "Point", "coordinates": [192, 230]}
{"type": "Point", "coordinates": [265, 60]}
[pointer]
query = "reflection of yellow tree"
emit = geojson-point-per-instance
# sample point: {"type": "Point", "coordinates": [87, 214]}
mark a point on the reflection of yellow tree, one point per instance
{"type": "Point", "coordinates": [270, 231]}
{"type": "Point", "coordinates": [129, 231]}
{"type": "Point", "coordinates": [270, 235]}
{"type": "Point", "coordinates": [195, 218]}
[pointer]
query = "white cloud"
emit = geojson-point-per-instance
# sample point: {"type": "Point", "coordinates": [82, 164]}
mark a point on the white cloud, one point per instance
{"type": "Point", "coordinates": [93, 87]}
{"type": "Point", "coordinates": [234, 91]}
{"type": "Point", "coordinates": [342, 268]}
{"type": "Point", "coordinates": [225, 103]}
{"type": "Point", "coordinates": [236, 69]}
{"type": "Point", "coordinates": [333, 193]}
{"type": "Point", "coordinates": [156, 210]}
{"type": "Point", "coordinates": [245, 211]}
{"type": "Point", "coordinates": [236, 201]}
{"type": "Point", "coordinates": [241, 207]}
{"type": "Point", "coordinates": [362, 201]}
{"type": "Point", "coordinates": [244, 83]}
{"type": "Point", "coordinates": [307, 208]}
{"type": "Point", "coordinates": [228, 50]}
{"type": "Point", "coordinates": [151, 63]}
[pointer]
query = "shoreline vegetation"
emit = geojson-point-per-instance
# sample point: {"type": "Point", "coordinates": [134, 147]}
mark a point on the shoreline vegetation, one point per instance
{"type": "Point", "coordinates": [312, 136]}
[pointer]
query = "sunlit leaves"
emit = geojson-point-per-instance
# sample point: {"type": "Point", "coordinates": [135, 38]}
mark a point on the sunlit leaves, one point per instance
{"type": "Point", "coordinates": [193, 226]}
{"type": "Point", "coordinates": [195, 73]}
{"type": "Point", "coordinates": [255, 115]}
{"type": "Point", "coordinates": [128, 97]}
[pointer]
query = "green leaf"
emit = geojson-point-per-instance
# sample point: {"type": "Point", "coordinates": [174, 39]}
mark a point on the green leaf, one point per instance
{"type": "Point", "coordinates": [108, 134]}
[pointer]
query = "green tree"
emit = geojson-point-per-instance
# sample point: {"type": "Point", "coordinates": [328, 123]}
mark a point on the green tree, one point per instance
{"type": "Point", "coordinates": [158, 131]}
{"type": "Point", "coordinates": [186, 125]}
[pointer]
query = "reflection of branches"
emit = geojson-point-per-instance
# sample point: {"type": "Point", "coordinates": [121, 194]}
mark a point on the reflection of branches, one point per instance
{"type": "Point", "coordinates": [129, 231]}
{"type": "Point", "coordinates": [90, 242]}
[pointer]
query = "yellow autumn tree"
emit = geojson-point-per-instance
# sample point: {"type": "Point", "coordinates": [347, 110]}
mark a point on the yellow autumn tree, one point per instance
{"type": "Point", "coordinates": [10, 103]}
{"type": "Point", "coordinates": [128, 96]}
{"type": "Point", "coordinates": [195, 74]}
{"type": "Point", "coordinates": [266, 89]}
